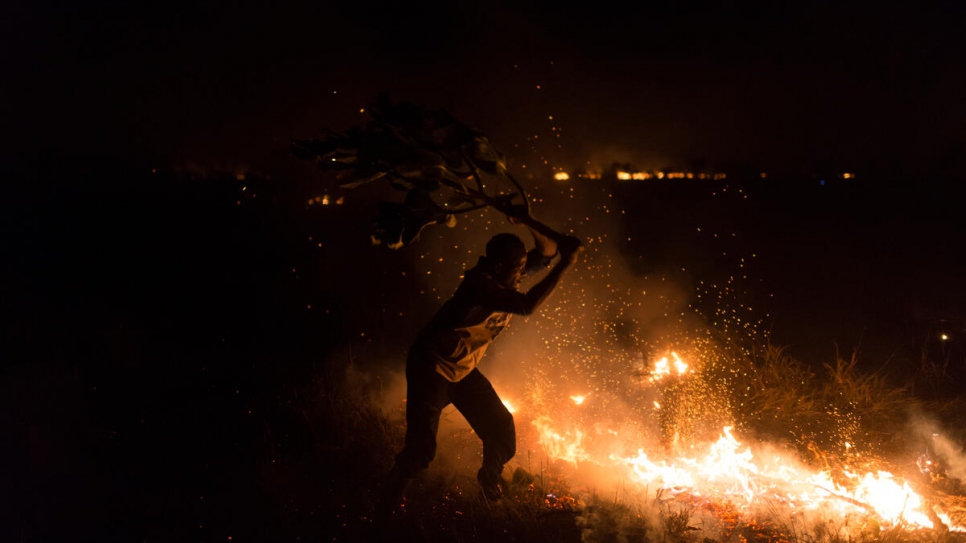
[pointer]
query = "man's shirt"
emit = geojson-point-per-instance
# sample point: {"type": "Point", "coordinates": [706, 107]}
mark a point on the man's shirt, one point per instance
{"type": "Point", "coordinates": [464, 327]}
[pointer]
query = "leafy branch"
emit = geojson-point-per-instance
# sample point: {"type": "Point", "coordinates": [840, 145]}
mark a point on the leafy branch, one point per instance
{"type": "Point", "coordinates": [420, 152]}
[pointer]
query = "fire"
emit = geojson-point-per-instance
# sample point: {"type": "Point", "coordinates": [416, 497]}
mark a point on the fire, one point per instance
{"type": "Point", "coordinates": [663, 367]}
{"type": "Point", "coordinates": [729, 472]}
{"type": "Point", "coordinates": [723, 471]}
{"type": "Point", "coordinates": [566, 446]}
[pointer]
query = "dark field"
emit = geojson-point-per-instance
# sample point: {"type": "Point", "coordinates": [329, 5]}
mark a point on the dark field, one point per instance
{"type": "Point", "coordinates": [174, 349]}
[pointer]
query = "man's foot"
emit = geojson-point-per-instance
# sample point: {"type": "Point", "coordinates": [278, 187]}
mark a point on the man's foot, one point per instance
{"type": "Point", "coordinates": [491, 490]}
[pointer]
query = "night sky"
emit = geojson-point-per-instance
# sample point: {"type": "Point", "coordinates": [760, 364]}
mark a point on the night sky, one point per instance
{"type": "Point", "coordinates": [799, 87]}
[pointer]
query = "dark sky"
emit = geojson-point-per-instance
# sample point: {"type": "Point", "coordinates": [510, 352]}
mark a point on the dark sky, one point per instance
{"type": "Point", "coordinates": [797, 86]}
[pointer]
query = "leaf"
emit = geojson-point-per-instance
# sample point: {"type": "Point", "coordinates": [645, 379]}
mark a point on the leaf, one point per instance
{"type": "Point", "coordinates": [360, 177]}
{"type": "Point", "coordinates": [485, 157]}
{"type": "Point", "coordinates": [399, 225]}
{"type": "Point", "coordinates": [415, 150]}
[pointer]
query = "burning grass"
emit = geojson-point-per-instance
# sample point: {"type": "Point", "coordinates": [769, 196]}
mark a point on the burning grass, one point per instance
{"type": "Point", "coordinates": [829, 460]}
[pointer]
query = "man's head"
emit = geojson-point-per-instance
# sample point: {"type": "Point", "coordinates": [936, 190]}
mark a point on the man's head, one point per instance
{"type": "Point", "coordinates": [506, 256]}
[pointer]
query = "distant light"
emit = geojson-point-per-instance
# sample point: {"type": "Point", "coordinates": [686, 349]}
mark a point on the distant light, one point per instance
{"type": "Point", "coordinates": [623, 176]}
{"type": "Point", "coordinates": [578, 399]}
{"type": "Point", "coordinates": [848, 175]}
{"type": "Point", "coordinates": [943, 337]}
{"type": "Point", "coordinates": [821, 182]}
{"type": "Point", "coordinates": [561, 176]}
{"type": "Point", "coordinates": [764, 175]}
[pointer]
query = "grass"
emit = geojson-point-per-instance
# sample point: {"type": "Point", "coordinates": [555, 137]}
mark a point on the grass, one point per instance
{"type": "Point", "coordinates": [173, 374]}
{"type": "Point", "coordinates": [815, 413]}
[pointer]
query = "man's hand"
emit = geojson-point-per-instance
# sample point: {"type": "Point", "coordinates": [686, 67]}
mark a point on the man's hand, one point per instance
{"type": "Point", "coordinates": [569, 248]}
{"type": "Point", "coordinates": [517, 214]}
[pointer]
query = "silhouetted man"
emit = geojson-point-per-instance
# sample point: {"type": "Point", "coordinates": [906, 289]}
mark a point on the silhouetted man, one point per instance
{"type": "Point", "coordinates": [442, 365]}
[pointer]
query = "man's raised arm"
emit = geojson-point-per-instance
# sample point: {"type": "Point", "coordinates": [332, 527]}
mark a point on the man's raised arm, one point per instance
{"type": "Point", "coordinates": [550, 243]}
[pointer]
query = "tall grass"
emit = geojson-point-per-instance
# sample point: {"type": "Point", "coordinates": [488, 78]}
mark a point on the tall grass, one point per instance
{"type": "Point", "coordinates": [834, 418]}
{"type": "Point", "coordinates": [842, 413]}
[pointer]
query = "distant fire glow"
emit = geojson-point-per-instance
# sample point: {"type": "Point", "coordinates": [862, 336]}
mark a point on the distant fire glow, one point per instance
{"type": "Point", "coordinates": [660, 174]}
{"type": "Point", "coordinates": [561, 176]}
{"type": "Point", "coordinates": [326, 200]}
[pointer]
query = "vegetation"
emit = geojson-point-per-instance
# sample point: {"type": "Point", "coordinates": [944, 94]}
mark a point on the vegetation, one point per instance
{"type": "Point", "coordinates": [816, 410]}
{"type": "Point", "coordinates": [184, 363]}
{"type": "Point", "coordinates": [422, 153]}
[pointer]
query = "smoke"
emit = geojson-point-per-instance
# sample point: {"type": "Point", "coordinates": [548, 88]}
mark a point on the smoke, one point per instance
{"type": "Point", "coordinates": [578, 372]}
{"type": "Point", "coordinates": [952, 454]}
{"type": "Point", "coordinates": [580, 367]}
{"type": "Point", "coordinates": [939, 454]}
{"type": "Point", "coordinates": [384, 389]}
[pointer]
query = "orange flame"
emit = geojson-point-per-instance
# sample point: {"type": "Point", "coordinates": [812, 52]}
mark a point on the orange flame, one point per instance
{"type": "Point", "coordinates": [663, 367]}
{"type": "Point", "coordinates": [729, 471]}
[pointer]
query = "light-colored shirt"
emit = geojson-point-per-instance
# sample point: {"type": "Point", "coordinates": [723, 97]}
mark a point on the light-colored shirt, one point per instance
{"type": "Point", "coordinates": [460, 332]}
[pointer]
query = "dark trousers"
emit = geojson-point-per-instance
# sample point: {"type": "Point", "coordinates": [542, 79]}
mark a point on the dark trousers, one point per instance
{"type": "Point", "coordinates": [428, 393]}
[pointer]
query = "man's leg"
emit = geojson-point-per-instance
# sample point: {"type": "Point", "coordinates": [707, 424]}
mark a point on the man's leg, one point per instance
{"type": "Point", "coordinates": [481, 406]}
{"type": "Point", "coordinates": [426, 396]}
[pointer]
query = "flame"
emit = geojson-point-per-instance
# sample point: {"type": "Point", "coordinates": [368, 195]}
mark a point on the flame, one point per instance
{"type": "Point", "coordinates": [729, 472]}
{"type": "Point", "coordinates": [566, 446]}
{"type": "Point", "coordinates": [662, 367]}
{"type": "Point", "coordinates": [578, 399]}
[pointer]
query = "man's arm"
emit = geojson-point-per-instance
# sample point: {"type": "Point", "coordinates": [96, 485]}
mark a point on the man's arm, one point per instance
{"type": "Point", "coordinates": [503, 299]}
{"type": "Point", "coordinates": [545, 238]}
{"type": "Point", "coordinates": [535, 297]}
{"type": "Point", "coordinates": [549, 243]}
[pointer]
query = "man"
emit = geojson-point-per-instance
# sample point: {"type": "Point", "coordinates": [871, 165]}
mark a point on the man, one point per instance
{"type": "Point", "coordinates": [442, 363]}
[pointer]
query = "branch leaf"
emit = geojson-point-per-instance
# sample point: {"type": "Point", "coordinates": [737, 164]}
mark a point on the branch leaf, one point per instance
{"type": "Point", "coordinates": [417, 151]}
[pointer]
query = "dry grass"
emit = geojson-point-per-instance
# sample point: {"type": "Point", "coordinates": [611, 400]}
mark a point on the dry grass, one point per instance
{"type": "Point", "coordinates": [815, 412]}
